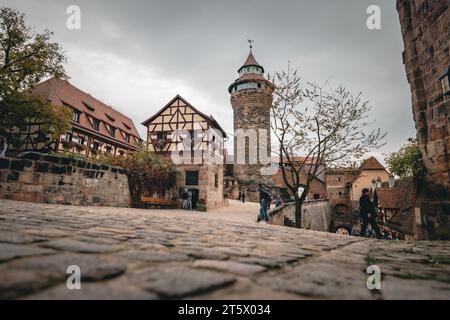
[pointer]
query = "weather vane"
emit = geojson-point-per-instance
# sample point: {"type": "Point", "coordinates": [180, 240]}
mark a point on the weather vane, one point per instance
{"type": "Point", "coordinates": [250, 41]}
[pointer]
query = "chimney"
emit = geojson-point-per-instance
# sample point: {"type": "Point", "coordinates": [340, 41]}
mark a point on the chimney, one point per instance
{"type": "Point", "coordinates": [391, 181]}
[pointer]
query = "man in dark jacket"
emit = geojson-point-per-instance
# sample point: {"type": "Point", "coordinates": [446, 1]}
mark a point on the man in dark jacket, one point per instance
{"type": "Point", "coordinates": [368, 213]}
{"type": "Point", "coordinates": [264, 198]}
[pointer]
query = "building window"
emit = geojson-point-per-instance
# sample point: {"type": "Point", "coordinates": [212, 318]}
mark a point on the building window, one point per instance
{"type": "Point", "coordinates": [76, 116]}
{"type": "Point", "coordinates": [81, 140]}
{"type": "Point", "coordinates": [95, 146]}
{"type": "Point", "coordinates": [96, 124]}
{"type": "Point", "coordinates": [161, 135]}
{"type": "Point", "coordinates": [216, 180]}
{"type": "Point", "coordinates": [259, 85]}
{"type": "Point", "coordinates": [127, 137]}
{"type": "Point", "coordinates": [68, 136]}
{"type": "Point", "coordinates": [316, 196]}
{"type": "Point", "coordinates": [112, 131]}
{"type": "Point", "coordinates": [192, 178]}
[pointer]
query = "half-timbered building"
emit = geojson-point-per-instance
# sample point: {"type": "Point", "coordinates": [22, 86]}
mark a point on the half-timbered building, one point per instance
{"type": "Point", "coordinates": [194, 141]}
{"type": "Point", "coordinates": [96, 127]}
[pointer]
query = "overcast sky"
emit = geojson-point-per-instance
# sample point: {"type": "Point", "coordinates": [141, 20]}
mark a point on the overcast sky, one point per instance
{"type": "Point", "coordinates": [137, 55]}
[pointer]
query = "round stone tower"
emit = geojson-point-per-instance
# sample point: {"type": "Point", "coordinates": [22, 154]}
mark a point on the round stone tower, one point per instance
{"type": "Point", "coordinates": [251, 98]}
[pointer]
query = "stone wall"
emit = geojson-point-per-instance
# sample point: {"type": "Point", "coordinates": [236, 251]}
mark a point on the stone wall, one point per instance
{"type": "Point", "coordinates": [316, 215]}
{"type": "Point", "coordinates": [251, 109]}
{"type": "Point", "coordinates": [426, 32]}
{"type": "Point", "coordinates": [209, 191]}
{"type": "Point", "coordinates": [54, 179]}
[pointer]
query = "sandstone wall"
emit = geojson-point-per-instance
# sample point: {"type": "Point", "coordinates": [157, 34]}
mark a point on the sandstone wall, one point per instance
{"type": "Point", "coordinates": [53, 179]}
{"type": "Point", "coordinates": [316, 215]}
{"type": "Point", "coordinates": [425, 26]}
{"type": "Point", "coordinates": [251, 109]}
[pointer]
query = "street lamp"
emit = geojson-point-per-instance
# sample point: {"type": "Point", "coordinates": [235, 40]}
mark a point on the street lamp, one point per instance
{"type": "Point", "coordinates": [445, 82]}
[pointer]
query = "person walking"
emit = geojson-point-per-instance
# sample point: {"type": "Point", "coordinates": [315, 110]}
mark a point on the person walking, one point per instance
{"type": "Point", "coordinates": [189, 200]}
{"type": "Point", "coordinates": [278, 200]}
{"type": "Point", "coordinates": [184, 197]}
{"type": "Point", "coordinates": [368, 213]}
{"type": "Point", "coordinates": [264, 197]}
{"type": "Point", "coordinates": [243, 196]}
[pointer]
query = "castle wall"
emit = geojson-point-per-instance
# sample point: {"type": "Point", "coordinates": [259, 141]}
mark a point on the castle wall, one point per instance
{"type": "Point", "coordinates": [251, 111]}
{"type": "Point", "coordinates": [44, 178]}
{"type": "Point", "coordinates": [425, 26]}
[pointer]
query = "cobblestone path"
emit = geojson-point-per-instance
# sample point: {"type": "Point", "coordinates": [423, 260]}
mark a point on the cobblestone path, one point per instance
{"type": "Point", "coordinates": [152, 254]}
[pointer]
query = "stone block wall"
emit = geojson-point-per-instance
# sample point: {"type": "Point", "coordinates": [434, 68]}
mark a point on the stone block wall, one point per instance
{"type": "Point", "coordinates": [425, 27]}
{"type": "Point", "coordinates": [316, 215]}
{"type": "Point", "coordinates": [47, 178]}
{"type": "Point", "coordinates": [251, 109]}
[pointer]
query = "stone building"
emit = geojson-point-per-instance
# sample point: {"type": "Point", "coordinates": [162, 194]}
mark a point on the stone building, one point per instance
{"type": "Point", "coordinates": [96, 127]}
{"type": "Point", "coordinates": [318, 189]}
{"type": "Point", "coordinates": [194, 142]}
{"type": "Point", "coordinates": [371, 174]}
{"type": "Point", "coordinates": [251, 99]}
{"type": "Point", "coordinates": [425, 27]}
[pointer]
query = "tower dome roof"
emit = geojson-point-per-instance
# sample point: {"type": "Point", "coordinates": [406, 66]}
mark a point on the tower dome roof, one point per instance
{"type": "Point", "coordinates": [251, 61]}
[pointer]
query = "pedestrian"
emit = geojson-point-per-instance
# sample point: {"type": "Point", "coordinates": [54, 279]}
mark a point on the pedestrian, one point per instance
{"type": "Point", "coordinates": [240, 196]}
{"type": "Point", "coordinates": [189, 200]}
{"type": "Point", "coordinates": [278, 200]}
{"type": "Point", "coordinates": [225, 199]}
{"type": "Point", "coordinates": [367, 213]}
{"type": "Point", "coordinates": [264, 197]}
{"type": "Point", "coordinates": [243, 196]}
{"type": "Point", "coordinates": [184, 198]}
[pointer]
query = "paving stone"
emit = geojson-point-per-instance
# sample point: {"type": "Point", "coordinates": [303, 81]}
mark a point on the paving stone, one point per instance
{"type": "Point", "coordinates": [96, 291]}
{"type": "Point", "coordinates": [153, 256]}
{"type": "Point", "coordinates": [11, 251]}
{"type": "Point", "coordinates": [93, 267]}
{"type": "Point", "coordinates": [178, 282]}
{"type": "Point", "coordinates": [19, 238]}
{"type": "Point", "coordinates": [79, 246]}
{"type": "Point", "coordinates": [148, 254]}
{"type": "Point", "coordinates": [243, 269]}
{"type": "Point", "coordinates": [16, 283]}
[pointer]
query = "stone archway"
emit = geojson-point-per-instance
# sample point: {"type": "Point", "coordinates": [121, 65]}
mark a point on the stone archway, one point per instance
{"type": "Point", "coordinates": [342, 219]}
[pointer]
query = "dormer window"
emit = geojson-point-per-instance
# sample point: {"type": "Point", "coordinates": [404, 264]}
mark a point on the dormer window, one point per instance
{"type": "Point", "coordinates": [127, 137]}
{"type": "Point", "coordinates": [76, 116]}
{"type": "Point", "coordinates": [96, 124]}
{"type": "Point", "coordinates": [112, 131]}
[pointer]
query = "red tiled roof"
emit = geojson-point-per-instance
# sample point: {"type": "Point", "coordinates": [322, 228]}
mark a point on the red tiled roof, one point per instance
{"type": "Point", "coordinates": [372, 164]}
{"type": "Point", "coordinates": [61, 92]}
{"type": "Point", "coordinates": [391, 198]}
{"type": "Point", "coordinates": [251, 61]}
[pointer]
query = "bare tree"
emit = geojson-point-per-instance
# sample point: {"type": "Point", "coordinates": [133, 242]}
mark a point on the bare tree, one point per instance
{"type": "Point", "coordinates": [324, 125]}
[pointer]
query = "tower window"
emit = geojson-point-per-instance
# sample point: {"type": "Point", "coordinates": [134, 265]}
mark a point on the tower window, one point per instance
{"type": "Point", "coordinates": [259, 85]}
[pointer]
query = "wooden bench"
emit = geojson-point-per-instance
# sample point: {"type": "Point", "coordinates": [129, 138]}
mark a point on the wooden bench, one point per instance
{"type": "Point", "coordinates": [157, 203]}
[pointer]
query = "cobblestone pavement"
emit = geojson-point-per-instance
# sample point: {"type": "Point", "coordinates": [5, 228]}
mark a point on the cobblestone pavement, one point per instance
{"type": "Point", "coordinates": [152, 254]}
